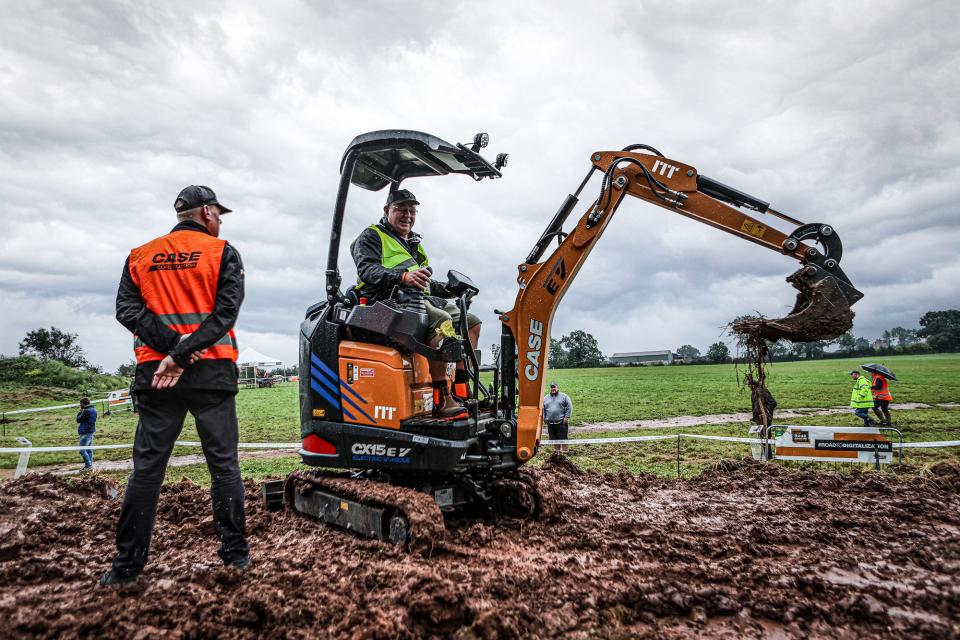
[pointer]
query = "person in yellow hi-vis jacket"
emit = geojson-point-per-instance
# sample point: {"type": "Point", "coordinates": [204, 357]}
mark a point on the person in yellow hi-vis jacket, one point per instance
{"type": "Point", "coordinates": [392, 264]}
{"type": "Point", "coordinates": [861, 398]}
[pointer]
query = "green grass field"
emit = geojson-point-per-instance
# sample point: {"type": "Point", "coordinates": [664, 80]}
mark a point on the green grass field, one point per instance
{"type": "Point", "coordinates": [599, 395]}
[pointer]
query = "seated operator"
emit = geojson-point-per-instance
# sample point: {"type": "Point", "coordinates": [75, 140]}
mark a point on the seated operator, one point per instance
{"type": "Point", "coordinates": [389, 255]}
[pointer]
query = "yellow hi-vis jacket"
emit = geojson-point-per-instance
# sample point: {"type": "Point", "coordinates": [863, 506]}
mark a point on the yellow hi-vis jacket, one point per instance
{"type": "Point", "coordinates": [862, 395]}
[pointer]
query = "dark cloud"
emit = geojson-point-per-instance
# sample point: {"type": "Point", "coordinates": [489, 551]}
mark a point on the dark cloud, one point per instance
{"type": "Point", "coordinates": [836, 113]}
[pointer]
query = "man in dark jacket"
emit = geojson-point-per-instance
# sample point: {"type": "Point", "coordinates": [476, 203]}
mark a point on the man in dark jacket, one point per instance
{"type": "Point", "coordinates": [392, 264]}
{"type": "Point", "coordinates": [180, 295]}
{"type": "Point", "coordinates": [86, 427]}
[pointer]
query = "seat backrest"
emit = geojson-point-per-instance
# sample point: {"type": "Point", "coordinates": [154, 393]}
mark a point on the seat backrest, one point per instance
{"type": "Point", "coordinates": [402, 326]}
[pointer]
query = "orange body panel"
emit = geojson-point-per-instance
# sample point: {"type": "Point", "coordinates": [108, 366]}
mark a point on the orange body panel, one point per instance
{"type": "Point", "coordinates": [383, 386]}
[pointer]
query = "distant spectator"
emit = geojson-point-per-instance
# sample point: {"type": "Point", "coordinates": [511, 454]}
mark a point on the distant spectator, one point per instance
{"type": "Point", "coordinates": [861, 398]}
{"type": "Point", "coordinates": [557, 410]}
{"type": "Point", "coordinates": [86, 427]}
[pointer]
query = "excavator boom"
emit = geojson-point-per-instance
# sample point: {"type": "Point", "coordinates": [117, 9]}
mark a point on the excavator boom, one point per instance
{"type": "Point", "coordinates": [825, 294]}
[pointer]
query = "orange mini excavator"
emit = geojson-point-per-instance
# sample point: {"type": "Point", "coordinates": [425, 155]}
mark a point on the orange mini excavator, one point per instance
{"type": "Point", "coordinates": [365, 393]}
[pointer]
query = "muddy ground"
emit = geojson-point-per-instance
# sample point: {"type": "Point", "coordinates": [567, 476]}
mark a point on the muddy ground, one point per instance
{"type": "Point", "coordinates": [744, 550]}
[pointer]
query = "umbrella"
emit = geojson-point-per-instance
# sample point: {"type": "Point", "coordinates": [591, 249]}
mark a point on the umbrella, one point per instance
{"type": "Point", "coordinates": [880, 369]}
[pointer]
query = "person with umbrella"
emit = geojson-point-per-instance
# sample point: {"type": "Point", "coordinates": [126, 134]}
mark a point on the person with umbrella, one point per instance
{"type": "Point", "coordinates": [861, 399]}
{"type": "Point", "coordinates": [881, 390]}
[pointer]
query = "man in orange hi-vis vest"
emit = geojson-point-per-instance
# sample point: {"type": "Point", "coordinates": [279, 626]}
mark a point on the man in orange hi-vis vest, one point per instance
{"type": "Point", "coordinates": [180, 295]}
{"type": "Point", "coordinates": [881, 398]}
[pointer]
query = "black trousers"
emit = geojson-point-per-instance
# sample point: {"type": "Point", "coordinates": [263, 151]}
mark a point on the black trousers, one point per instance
{"type": "Point", "coordinates": [882, 409]}
{"type": "Point", "coordinates": [161, 419]}
{"type": "Point", "coordinates": [558, 430]}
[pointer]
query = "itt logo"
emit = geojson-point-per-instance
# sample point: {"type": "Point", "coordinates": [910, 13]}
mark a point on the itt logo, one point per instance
{"type": "Point", "coordinates": [383, 412]}
{"type": "Point", "coordinates": [664, 169]}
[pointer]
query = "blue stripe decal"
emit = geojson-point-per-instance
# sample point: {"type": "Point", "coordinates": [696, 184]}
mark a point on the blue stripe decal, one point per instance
{"type": "Point", "coordinates": [355, 394]}
{"type": "Point", "coordinates": [323, 392]}
{"type": "Point", "coordinates": [320, 375]}
{"type": "Point", "coordinates": [355, 406]}
{"type": "Point", "coordinates": [316, 375]}
{"type": "Point", "coordinates": [317, 361]}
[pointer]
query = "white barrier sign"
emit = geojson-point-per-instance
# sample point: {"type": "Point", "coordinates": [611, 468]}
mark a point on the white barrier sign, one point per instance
{"type": "Point", "coordinates": [832, 444]}
{"type": "Point", "coordinates": [119, 397]}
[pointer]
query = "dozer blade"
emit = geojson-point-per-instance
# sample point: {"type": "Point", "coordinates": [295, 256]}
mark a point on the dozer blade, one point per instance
{"type": "Point", "coordinates": [821, 312]}
{"type": "Point", "coordinates": [368, 508]}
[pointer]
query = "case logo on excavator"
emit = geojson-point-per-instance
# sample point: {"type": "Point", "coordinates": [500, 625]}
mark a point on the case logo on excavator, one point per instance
{"type": "Point", "coordinates": [535, 344]}
{"type": "Point", "coordinates": [664, 169]}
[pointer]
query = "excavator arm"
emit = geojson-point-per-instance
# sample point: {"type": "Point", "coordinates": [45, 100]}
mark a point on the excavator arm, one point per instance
{"type": "Point", "coordinates": [822, 310]}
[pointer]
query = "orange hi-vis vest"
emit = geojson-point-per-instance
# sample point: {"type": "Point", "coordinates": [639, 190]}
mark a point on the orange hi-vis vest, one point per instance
{"type": "Point", "coordinates": [884, 391]}
{"type": "Point", "coordinates": [177, 275]}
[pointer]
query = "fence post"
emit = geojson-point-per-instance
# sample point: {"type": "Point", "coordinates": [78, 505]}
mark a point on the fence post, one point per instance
{"type": "Point", "coordinates": [678, 456]}
{"type": "Point", "coordinates": [3, 419]}
{"type": "Point", "coordinates": [24, 457]}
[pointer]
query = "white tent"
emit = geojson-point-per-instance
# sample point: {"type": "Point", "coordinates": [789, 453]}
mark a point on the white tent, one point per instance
{"type": "Point", "coordinates": [250, 357]}
{"type": "Point", "coordinates": [254, 365]}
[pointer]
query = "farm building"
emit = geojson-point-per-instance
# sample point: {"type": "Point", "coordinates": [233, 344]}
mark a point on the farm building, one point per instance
{"type": "Point", "coordinates": [645, 357]}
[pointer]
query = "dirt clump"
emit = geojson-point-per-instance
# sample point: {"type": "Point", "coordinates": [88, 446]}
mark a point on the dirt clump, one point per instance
{"type": "Point", "coordinates": [821, 312]}
{"type": "Point", "coordinates": [744, 550]}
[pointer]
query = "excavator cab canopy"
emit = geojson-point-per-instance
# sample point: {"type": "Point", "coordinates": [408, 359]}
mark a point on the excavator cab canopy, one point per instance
{"type": "Point", "coordinates": [389, 157]}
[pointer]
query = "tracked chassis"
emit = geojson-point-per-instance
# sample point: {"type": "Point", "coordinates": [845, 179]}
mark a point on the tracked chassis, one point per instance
{"type": "Point", "coordinates": [403, 511]}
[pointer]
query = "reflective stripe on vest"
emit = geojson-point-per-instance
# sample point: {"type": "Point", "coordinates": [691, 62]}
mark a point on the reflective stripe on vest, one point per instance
{"type": "Point", "coordinates": [396, 256]}
{"type": "Point", "coordinates": [178, 275]}
{"type": "Point", "coordinates": [884, 392]}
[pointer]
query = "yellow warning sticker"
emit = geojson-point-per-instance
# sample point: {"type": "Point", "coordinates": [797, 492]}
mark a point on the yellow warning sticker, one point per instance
{"type": "Point", "coordinates": [753, 228]}
{"type": "Point", "coordinates": [344, 506]}
{"type": "Point", "coordinates": [319, 413]}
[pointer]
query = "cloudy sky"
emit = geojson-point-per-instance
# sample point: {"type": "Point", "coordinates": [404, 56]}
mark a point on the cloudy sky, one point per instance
{"type": "Point", "coordinates": [844, 113]}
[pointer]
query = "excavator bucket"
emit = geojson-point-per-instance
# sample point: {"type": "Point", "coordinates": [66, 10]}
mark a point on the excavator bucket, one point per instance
{"type": "Point", "coordinates": [822, 310]}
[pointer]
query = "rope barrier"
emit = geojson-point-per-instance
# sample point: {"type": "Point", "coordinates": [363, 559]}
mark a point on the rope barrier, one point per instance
{"type": "Point", "coordinates": [58, 407]}
{"type": "Point", "coordinates": [546, 443]}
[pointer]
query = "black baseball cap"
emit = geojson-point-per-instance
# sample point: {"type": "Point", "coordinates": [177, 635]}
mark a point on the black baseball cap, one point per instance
{"type": "Point", "coordinates": [196, 195]}
{"type": "Point", "coordinates": [401, 195]}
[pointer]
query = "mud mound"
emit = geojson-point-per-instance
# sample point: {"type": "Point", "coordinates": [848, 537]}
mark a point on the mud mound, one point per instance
{"type": "Point", "coordinates": [744, 550]}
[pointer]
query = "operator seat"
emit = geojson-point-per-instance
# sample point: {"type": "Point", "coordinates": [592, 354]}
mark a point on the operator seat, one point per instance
{"type": "Point", "coordinates": [401, 326]}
